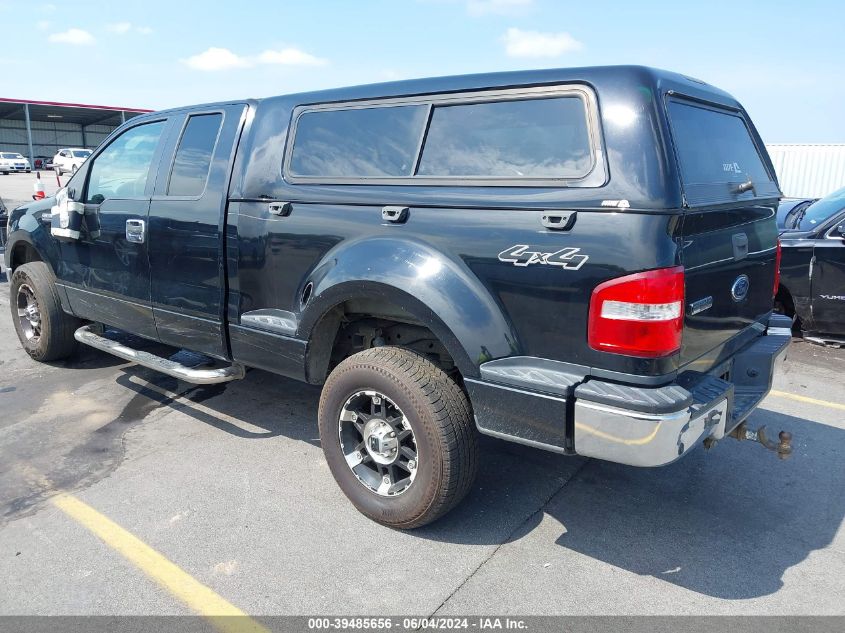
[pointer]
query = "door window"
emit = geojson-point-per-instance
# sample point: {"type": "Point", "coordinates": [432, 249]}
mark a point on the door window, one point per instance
{"type": "Point", "coordinates": [193, 156]}
{"type": "Point", "coordinates": [122, 169]}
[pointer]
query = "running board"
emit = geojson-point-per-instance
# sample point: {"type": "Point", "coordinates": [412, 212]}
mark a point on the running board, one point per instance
{"type": "Point", "coordinates": [87, 335]}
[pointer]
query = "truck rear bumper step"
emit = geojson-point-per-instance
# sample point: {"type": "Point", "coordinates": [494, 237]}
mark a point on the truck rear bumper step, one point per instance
{"type": "Point", "coordinates": [613, 424]}
{"type": "Point", "coordinates": [87, 335]}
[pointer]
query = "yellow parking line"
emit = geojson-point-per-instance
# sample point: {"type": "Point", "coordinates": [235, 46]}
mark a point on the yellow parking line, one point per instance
{"type": "Point", "coordinates": [222, 614]}
{"type": "Point", "coordinates": [821, 403]}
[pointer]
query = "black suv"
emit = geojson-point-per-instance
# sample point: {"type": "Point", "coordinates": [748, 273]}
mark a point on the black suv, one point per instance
{"type": "Point", "coordinates": [580, 260]}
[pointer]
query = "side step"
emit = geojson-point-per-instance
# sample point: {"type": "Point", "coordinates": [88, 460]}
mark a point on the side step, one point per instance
{"type": "Point", "coordinates": [87, 335]}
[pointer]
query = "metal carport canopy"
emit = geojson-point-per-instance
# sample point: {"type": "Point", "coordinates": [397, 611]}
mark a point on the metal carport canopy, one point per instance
{"type": "Point", "coordinates": [78, 113]}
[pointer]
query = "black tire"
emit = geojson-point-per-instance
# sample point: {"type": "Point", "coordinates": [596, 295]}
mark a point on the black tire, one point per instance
{"type": "Point", "coordinates": [443, 428]}
{"type": "Point", "coordinates": [55, 340]}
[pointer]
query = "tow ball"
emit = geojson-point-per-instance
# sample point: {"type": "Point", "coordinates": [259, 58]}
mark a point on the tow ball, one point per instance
{"type": "Point", "coordinates": [783, 447]}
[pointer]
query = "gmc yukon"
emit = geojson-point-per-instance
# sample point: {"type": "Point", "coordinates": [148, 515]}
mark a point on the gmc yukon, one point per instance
{"type": "Point", "coordinates": [579, 260]}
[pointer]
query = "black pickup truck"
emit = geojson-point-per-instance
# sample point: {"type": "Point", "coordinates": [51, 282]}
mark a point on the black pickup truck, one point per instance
{"type": "Point", "coordinates": [579, 260]}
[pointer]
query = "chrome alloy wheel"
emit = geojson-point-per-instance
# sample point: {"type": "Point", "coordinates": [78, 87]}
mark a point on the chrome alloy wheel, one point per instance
{"type": "Point", "coordinates": [29, 314]}
{"type": "Point", "coordinates": [378, 443]}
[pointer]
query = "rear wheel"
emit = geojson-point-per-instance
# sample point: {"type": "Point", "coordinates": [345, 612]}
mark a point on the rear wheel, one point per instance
{"type": "Point", "coordinates": [398, 435]}
{"type": "Point", "coordinates": [73, 169]}
{"type": "Point", "coordinates": [44, 329]}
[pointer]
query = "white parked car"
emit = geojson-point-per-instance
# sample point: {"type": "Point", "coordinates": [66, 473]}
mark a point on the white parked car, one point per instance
{"type": "Point", "coordinates": [12, 161]}
{"type": "Point", "coordinates": [69, 159]}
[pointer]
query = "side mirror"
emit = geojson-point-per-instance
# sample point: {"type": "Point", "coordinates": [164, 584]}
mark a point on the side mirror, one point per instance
{"type": "Point", "coordinates": [840, 231]}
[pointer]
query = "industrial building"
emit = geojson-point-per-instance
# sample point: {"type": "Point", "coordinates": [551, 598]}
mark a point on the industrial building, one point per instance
{"type": "Point", "coordinates": [40, 128]}
{"type": "Point", "coordinates": [808, 170]}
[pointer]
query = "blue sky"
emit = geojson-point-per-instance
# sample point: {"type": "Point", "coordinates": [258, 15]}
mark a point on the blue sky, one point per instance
{"type": "Point", "coordinates": [785, 61]}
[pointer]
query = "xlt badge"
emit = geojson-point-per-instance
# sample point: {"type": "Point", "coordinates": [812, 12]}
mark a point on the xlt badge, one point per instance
{"type": "Point", "coordinates": [697, 307]}
{"type": "Point", "coordinates": [567, 258]}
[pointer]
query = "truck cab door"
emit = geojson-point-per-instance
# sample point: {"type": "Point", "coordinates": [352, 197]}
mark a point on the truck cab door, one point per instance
{"type": "Point", "coordinates": [187, 217]}
{"type": "Point", "coordinates": [106, 271]}
{"type": "Point", "coordinates": [828, 281]}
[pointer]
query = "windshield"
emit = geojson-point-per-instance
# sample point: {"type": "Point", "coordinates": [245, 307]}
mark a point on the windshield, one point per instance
{"type": "Point", "coordinates": [10, 155]}
{"type": "Point", "coordinates": [816, 214]}
{"type": "Point", "coordinates": [81, 153]}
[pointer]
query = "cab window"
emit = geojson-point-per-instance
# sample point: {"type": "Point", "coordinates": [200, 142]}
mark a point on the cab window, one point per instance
{"type": "Point", "coordinates": [122, 169]}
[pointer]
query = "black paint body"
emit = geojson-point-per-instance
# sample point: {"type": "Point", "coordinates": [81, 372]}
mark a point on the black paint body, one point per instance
{"type": "Point", "coordinates": [209, 261]}
{"type": "Point", "coordinates": [812, 277]}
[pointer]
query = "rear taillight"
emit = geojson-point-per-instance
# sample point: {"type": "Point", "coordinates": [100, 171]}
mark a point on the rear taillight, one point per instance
{"type": "Point", "coordinates": [640, 314]}
{"type": "Point", "coordinates": [777, 270]}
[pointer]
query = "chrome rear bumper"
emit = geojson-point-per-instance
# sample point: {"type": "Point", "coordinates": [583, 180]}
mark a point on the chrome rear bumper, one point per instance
{"type": "Point", "coordinates": [653, 427]}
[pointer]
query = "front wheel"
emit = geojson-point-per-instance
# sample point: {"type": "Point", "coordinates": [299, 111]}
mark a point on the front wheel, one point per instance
{"type": "Point", "coordinates": [398, 435]}
{"type": "Point", "coordinates": [44, 329]}
{"type": "Point", "coordinates": [73, 169]}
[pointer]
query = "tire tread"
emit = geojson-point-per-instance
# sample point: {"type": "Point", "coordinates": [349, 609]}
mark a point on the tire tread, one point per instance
{"type": "Point", "coordinates": [450, 410]}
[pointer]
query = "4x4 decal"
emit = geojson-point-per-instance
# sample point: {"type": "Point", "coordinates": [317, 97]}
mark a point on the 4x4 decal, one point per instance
{"type": "Point", "coordinates": [567, 258]}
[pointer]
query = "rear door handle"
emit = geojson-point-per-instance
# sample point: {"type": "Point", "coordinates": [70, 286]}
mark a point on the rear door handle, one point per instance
{"type": "Point", "coordinates": [135, 231]}
{"type": "Point", "coordinates": [396, 215]}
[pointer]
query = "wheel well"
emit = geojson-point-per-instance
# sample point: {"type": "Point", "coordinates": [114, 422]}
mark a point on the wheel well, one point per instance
{"type": "Point", "coordinates": [784, 298]}
{"type": "Point", "coordinates": [23, 253]}
{"type": "Point", "coordinates": [360, 324]}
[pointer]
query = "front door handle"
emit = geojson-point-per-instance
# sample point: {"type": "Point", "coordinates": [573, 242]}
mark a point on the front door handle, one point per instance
{"type": "Point", "coordinates": [135, 231]}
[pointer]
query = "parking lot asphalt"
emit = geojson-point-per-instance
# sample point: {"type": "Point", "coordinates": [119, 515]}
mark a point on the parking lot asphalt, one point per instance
{"type": "Point", "coordinates": [229, 485]}
{"type": "Point", "coordinates": [15, 189]}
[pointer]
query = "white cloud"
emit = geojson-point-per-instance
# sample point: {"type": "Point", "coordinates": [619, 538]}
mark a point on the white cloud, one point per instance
{"type": "Point", "coordinates": [43, 25]}
{"type": "Point", "coordinates": [216, 59]}
{"type": "Point", "coordinates": [519, 43]}
{"type": "Point", "coordinates": [290, 57]}
{"type": "Point", "coordinates": [224, 59]}
{"type": "Point", "coordinates": [119, 27]}
{"type": "Point", "coordinates": [122, 28]}
{"type": "Point", "coordinates": [72, 36]}
{"type": "Point", "coordinates": [497, 7]}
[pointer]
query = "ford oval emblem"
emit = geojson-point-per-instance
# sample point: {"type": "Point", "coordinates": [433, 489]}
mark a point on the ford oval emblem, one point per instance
{"type": "Point", "coordinates": [740, 288]}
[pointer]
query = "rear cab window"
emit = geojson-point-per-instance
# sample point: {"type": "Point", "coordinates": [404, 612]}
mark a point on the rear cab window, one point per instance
{"type": "Point", "coordinates": [717, 153]}
{"type": "Point", "coordinates": [523, 137]}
